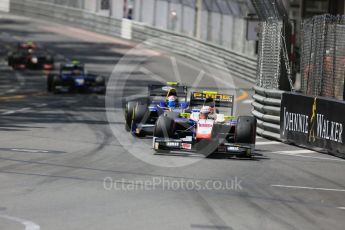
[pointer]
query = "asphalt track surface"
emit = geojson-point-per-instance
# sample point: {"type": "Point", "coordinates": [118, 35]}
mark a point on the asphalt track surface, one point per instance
{"type": "Point", "coordinates": [59, 154]}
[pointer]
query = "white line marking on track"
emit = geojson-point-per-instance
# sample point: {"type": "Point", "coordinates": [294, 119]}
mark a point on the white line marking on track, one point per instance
{"type": "Point", "coordinates": [342, 208]}
{"type": "Point", "coordinates": [223, 81]}
{"type": "Point", "coordinates": [308, 188]}
{"type": "Point", "coordinates": [12, 90]}
{"type": "Point", "coordinates": [151, 74]}
{"type": "Point", "coordinates": [175, 69]}
{"type": "Point", "coordinates": [268, 143]}
{"type": "Point", "coordinates": [8, 112]}
{"type": "Point", "coordinates": [28, 224]}
{"type": "Point", "coordinates": [30, 150]}
{"type": "Point", "coordinates": [293, 152]}
{"type": "Point", "coordinates": [321, 158]}
{"type": "Point", "coordinates": [41, 105]}
{"type": "Point", "coordinates": [248, 101]}
{"type": "Point", "coordinates": [15, 111]}
{"type": "Point", "coordinates": [297, 153]}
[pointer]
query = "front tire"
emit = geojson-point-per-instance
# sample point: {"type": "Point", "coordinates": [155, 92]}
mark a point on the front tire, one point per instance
{"type": "Point", "coordinates": [129, 110]}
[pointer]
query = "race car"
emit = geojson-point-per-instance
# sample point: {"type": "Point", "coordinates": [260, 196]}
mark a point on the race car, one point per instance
{"type": "Point", "coordinates": [72, 77]}
{"type": "Point", "coordinates": [141, 116]}
{"type": "Point", "coordinates": [205, 130]}
{"type": "Point", "coordinates": [29, 56]}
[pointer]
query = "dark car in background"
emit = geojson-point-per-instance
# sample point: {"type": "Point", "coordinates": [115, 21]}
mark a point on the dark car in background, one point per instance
{"type": "Point", "coordinates": [29, 55]}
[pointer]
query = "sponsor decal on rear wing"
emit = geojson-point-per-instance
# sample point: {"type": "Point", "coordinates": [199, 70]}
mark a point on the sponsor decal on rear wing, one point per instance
{"type": "Point", "coordinates": [221, 100]}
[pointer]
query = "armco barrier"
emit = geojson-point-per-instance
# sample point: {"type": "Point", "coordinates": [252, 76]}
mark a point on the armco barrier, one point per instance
{"type": "Point", "coordinates": [266, 109]}
{"type": "Point", "coordinates": [238, 64]}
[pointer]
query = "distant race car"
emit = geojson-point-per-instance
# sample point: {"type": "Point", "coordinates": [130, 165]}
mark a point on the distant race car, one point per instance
{"type": "Point", "coordinates": [205, 130]}
{"type": "Point", "coordinates": [72, 77]}
{"type": "Point", "coordinates": [29, 56]}
{"type": "Point", "coordinates": [141, 116]}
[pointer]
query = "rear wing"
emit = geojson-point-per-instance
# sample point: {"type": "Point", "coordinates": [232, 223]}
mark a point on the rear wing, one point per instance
{"type": "Point", "coordinates": [163, 90]}
{"type": "Point", "coordinates": [27, 45]}
{"type": "Point", "coordinates": [71, 66]}
{"type": "Point", "coordinates": [221, 100]}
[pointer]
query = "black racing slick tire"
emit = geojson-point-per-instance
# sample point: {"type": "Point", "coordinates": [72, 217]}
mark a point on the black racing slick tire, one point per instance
{"type": "Point", "coordinates": [245, 130]}
{"type": "Point", "coordinates": [129, 110]}
{"type": "Point", "coordinates": [140, 113]}
{"type": "Point", "coordinates": [50, 80]}
{"type": "Point", "coordinates": [55, 82]}
{"type": "Point", "coordinates": [10, 60]}
{"type": "Point", "coordinates": [164, 127]}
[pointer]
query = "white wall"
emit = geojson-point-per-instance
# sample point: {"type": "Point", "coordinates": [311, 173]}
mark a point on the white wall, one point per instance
{"type": "Point", "coordinates": [204, 25]}
{"type": "Point", "coordinates": [162, 15]}
{"type": "Point", "coordinates": [215, 28]}
{"type": "Point", "coordinates": [148, 12]}
{"type": "Point", "coordinates": [136, 10]}
{"type": "Point", "coordinates": [238, 35]}
{"type": "Point", "coordinates": [189, 21]}
{"type": "Point", "coordinates": [117, 8]}
{"type": "Point", "coordinates": [228, 28]}
{"type": "Point", "coordinates": [90, 5]}
{"type": "Point", "coordinates": [5, 5]}
{"type": "Point", "coordinates": [175, 23]}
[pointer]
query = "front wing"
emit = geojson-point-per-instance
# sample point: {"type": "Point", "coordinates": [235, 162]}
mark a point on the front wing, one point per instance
{"type": "Point", "coordinates": [166, 144]}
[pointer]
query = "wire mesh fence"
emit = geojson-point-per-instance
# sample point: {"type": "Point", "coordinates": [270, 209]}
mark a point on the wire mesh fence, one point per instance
{"type": "Point", "coordinates": [270, 51]}
{"type": "Point", "coordinates": [269, 56]}
{"type": "Point", "coordinates": [323, 56]}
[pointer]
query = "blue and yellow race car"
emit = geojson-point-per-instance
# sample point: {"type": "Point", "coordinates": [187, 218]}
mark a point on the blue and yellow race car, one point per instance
{"type": "Point", "coordinates": [140, 117]}
{"type": "Point", "coordinates": [73, 78]}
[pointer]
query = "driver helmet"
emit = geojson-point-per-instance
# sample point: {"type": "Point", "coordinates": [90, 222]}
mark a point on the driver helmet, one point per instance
{"type": "Point", "coordinates": [76, 71]}
{"type": "Point", "coordinates": [172, 92]}
{"type": "Point", "coordinates": [172, 101]}
{"type": "Point", "coordinates": [204, 112]}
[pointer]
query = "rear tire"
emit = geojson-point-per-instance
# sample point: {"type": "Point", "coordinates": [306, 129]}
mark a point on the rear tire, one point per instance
{"type": "Point", "coordinates": [55, 82]}
{"type": "Point", "coordinates": [245, 130]}
{"type": "Point", "coordinates": [50, 80]}
{"type": "Point", "coordinates": [10, 60]}
{"type": "Point", "coordinates": [129, 110]}
{"type": "Point", "coordinates": [164, 128]}
{"type": "Point", "coordinates": [140, 113]}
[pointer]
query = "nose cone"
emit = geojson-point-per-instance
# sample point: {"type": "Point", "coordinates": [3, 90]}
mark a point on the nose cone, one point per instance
{"type": "Point", "coordinates": [204, 129]}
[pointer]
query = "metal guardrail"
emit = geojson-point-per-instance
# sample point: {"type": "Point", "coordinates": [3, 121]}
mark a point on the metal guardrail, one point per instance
{"type": "Point", "coordinates": [266, 109]}
{"type": "Point", "coordinates": [238, 64]}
